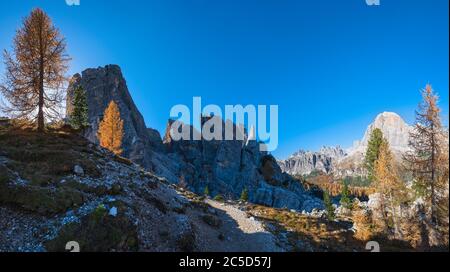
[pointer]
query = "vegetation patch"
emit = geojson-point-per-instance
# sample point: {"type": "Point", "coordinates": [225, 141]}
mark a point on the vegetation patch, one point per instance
{"type": "Point", "coordinates": [42, 200]}
{"type": "Point", "coordinates": [98, 232]}
{"type": "Point", "coordinates": [212, 220]}
{"type": "Point", "coordinates": [319, 234]}
{"type": "Point", "coordinates": [4, 175]}
{"type": "Point", "coordinates": [123, 160]}
{"type": "Point", "coordinates": [157, 204]}
{"type": "Point", "coordinates": [44, 158]}
{"type": "Point", "coordinates": [100, 190]}
{"type": "Point", "coordinates": [320, 183]}
{"type": "Point", "coordinates": [186, 242]}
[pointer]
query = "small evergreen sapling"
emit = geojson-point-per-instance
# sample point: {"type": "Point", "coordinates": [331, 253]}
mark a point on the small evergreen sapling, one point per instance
{"type": "Point", "coordinates": [346, 202]}
{"type": "Point", "coordinates": [206, 191]}
{"type": "Point", "coordinates": [329, 208]}
{"type": "Point", "coordinates": [244, 195]}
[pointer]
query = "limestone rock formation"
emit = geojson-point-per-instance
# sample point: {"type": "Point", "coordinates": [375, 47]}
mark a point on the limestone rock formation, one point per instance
{"type": "Point", "coordinates": [226, 167]}
{"type": "Point", "coordinates": [394, 129]}
{"type": "Point", "coordinates": [103, 85]}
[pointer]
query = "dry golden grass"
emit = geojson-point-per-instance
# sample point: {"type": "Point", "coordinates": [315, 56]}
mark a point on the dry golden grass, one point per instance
{"type": "Point", "coordinates": [329, 184]}
{"type": "Point", "coordinates": [320, 233]}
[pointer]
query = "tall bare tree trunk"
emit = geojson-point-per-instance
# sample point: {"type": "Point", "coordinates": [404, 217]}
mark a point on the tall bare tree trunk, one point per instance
{"type": "Point", "coordinates": [433, 170]}
{"type": "Point", "coordinates": [394, 215]}
{"type": "Point", "coordinates": [40, 121]}
{"type": "Point", "coordinates": [40, 117]}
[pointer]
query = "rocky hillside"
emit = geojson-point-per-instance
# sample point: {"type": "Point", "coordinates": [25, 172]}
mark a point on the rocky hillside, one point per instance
{"type": "Point", "coordinates": [349, 163]}
{"type": "Point", "coordinates": [58, 187]}
{"type": "Point", "coordinates": [225, 167]}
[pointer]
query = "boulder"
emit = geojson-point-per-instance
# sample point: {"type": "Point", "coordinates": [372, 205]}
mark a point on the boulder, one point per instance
{"type": "Point", "coordinates": [78, 170]}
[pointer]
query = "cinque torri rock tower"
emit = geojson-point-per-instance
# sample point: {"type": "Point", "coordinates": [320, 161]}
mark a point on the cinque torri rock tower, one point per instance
{"type": "Point", "coordinates": [102, 85]}
{"type": "Point", "coordinates": [225, 167]}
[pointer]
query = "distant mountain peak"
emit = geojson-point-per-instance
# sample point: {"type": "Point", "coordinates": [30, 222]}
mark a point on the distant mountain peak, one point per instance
{"type": "Point", "coordinates": [304, 162]}
{"type": "Point", "coordinates": [394, 129]}
{"type": "Point", "coordinates": [333, 159]}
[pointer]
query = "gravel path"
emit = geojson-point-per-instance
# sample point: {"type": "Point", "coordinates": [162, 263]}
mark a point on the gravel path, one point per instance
{"type": "Point", "coordinates": [244, 233]}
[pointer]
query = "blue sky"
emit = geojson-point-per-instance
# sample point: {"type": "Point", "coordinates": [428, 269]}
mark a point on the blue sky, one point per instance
{"type": "Point", "coordinates": [330, 65]}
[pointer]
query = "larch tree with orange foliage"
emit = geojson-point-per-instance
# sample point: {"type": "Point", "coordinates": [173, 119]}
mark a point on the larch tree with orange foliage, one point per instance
{"type": "Point", "coordinates": [429, 165]}
{"type": "Point", "coordinates": [389, 187]}
{"type": "Point", "coordinates": [35, 72]}
{"type": "Point", "coordinates": [110, 131]}
{"type": "Point", "coordinates": [428, 159]}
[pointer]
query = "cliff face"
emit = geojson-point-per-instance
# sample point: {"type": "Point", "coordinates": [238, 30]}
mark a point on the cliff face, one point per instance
{"type": "Point", "coordinates": [394, 129]}
{"type": "Point", "coordinates": [103, 85]}
{"type": "Point", "coordinates": [229, 167]}
{"type": "Point", "coordinates": [225, 167]}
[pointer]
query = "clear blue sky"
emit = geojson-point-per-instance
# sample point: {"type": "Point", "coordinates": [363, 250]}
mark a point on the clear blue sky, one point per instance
{"type": "Point", "coordinates": [330, 65]}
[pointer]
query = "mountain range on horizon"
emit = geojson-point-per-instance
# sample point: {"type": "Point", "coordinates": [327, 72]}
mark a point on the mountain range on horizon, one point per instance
{"type": "Point", "coordinates": [343, 162]}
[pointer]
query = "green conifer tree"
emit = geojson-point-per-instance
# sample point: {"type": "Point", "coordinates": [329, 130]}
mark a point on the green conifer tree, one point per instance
{"type": "Point", "coordinates": [373, 151]}
{"type": "Point", "coordinates": [244, 195]}
{"type": "Point", "coordinates": [329, 208]}
{"type": "Point", "coordinates": [345, 197]}
{"type": "Point", "coordinates": [79, 116]}
{"type": "Point", "coordinates": [206, 191]}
